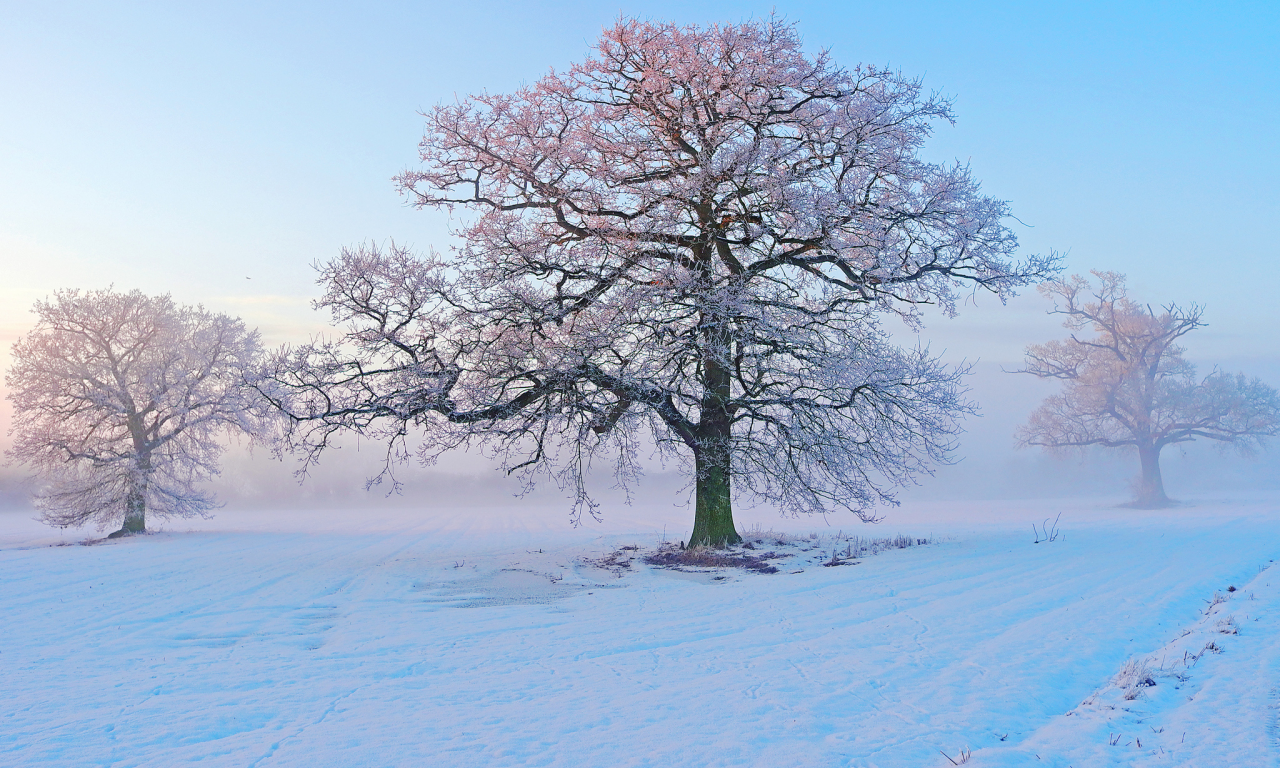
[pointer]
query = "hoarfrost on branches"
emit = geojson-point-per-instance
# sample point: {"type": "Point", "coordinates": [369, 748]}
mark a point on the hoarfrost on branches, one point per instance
{"type": "Point", "coordinates": [119, 400]}
{"type": "Point", "coordinates": [1128, 385]}
{"type": "Point", "coordinates": [687, 236]}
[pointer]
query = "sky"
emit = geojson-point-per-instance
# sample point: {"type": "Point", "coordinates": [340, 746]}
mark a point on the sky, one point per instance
{"type": "Point", "coordinates": [215, 151]}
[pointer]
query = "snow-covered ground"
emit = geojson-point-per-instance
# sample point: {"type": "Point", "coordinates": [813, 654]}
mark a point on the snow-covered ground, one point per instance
{"type": "Point", "coordinates": [489, 637]}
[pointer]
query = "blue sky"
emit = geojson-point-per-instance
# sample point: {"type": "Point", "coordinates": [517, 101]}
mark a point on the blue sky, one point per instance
{"type": "Point", "coordinates": [185, 148]}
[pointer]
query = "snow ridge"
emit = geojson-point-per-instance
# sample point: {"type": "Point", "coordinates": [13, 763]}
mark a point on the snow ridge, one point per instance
{"type": "Point", "coordinates": [1194, 701]}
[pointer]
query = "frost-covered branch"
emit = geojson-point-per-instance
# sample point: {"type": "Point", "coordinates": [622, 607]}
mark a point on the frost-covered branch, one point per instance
{"type": "Point", "coordinates": [686, 238]}
{"type": "Point", "coordinates": [119, 399]}
{"type": "Point", "coordinates": [1129, 386]}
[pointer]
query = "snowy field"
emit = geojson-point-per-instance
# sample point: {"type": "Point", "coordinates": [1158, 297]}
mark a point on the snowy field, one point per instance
{"type": "Point", "coordinates": [489, 638]}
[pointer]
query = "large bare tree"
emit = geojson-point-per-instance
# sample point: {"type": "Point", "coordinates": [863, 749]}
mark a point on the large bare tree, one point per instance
{"type": "Point", "coordinates": [688, 237]}
{"type": "Point", "coordinates": [1128, 386]}
{"type": "Point", "coordinates": [119, 400]}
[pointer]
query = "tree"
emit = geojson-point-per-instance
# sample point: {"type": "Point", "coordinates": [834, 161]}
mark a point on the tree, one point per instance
{"type": "Point", "coordinates": [690, 235]}
{"type": "Point", "coordinates": [1128, 385]}
{"type": "Point", "coordinates": [119, 399]}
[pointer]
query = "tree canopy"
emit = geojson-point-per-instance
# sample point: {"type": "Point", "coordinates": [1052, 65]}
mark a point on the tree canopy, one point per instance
{"type": "Point", "coordinates": [1129, 386]}
{"type": "Point", "coordinates": [119, 399]}
{"type": "Point", "coordinates": [687, 237]}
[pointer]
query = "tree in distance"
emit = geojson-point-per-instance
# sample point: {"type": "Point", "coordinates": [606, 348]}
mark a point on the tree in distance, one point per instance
{"type": "Point", "coordinates": [685, 240]}
{"type": "Point", "coordinates": [119, 399]}
{"type": "Point", "coordinates": [1128, 386]}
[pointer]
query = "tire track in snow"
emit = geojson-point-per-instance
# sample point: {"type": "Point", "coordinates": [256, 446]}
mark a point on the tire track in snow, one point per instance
{"type": "Point", "coordinates": [368, 571]}
{"type": "Point", "coordinates": [262, 590]}
{"type": "Point", "coordinates": [308, 579]}
{"type": "Point", "coordinates": [333, 706]}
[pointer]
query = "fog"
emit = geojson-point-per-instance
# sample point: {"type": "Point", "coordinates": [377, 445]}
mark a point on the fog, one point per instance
{"type": "Point", "coordinates": [986, 464]}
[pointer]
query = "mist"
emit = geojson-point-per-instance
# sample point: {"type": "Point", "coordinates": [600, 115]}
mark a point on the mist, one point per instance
{"type": "Point", "coordinates": [986, 464]}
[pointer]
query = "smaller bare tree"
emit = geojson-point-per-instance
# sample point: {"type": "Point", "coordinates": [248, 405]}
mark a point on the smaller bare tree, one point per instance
{"type": "Point", "coordinates": [1128, 385]}
{"type": "Point", "coordinates": [119, 400]}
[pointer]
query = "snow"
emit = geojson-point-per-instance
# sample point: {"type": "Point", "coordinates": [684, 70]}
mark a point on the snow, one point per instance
{"type": "Point", "coordinates": [489, 637]}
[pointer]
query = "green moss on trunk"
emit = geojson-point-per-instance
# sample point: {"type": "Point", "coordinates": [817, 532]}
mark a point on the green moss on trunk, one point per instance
{"type": "Point", "coordinates": [713, 515]}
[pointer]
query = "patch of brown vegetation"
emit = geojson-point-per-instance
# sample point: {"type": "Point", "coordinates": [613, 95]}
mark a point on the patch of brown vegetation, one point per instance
{"type": "Point", "coordinates": [616, 562]}
{"type": "Point", "coordinates": [702, 557]}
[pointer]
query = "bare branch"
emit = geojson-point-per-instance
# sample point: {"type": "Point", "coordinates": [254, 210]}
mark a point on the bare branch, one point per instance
{"type": "Point", "coordinates": [118, 402]}
{"type": "Point", "coordinates": [1128, 385]}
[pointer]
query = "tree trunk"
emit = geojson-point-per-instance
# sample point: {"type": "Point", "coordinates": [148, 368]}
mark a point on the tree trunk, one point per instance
{"type": "Point", "coordinates": [1151, 486]}
{"type": "Point", "coordinates": [135, 514]}
{"type": "Point", "coordinates": [713, 515]}
{"type": "Point", "coordinates": [135, 503]}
